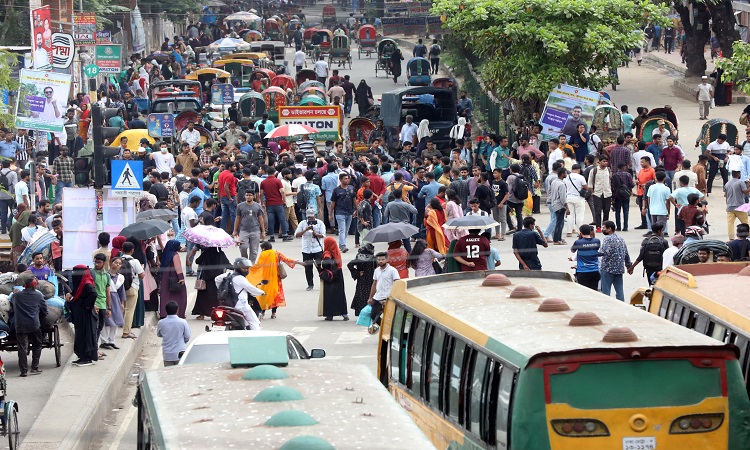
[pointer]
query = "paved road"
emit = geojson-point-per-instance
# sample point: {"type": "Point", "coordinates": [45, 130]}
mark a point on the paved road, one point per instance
{"type": "Point", "coordinates": [641, 86]}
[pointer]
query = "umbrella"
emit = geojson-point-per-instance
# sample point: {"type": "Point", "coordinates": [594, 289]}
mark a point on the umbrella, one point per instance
{"type": "Point", "coordinates": [392, 231]}
{"type": "Point", "coordinates": [229, 44]}
{"type": "Point", "coordinates": [146, 230]}
{"type": "Point", "coordinates": [40, 242]}
{"type": "Point", "coordinates": [242, 15]}
{"type": "Point", "coordinates": [744, 207]}
{"type": "Point", "coordinates": [157, 214]}
{"type": "Point", "coordinates": [209, 236]}
{"type": "Point", "coordinates": [470, 223]}
{"type": "Point", "coordinates": [295, 129]}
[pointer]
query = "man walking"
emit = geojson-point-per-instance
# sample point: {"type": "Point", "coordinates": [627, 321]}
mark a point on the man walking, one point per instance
{"type": "Point", "coordinates": [525, 244]}
{"type": "Point", "coordinates": [435, 56]}
{"type": "Point", "coordinates": [471, 251]}
{"type": "Point", "coordinates": [321, 70]}
{"type": "Point", "coordinates": [703, 95]}
{"type": "Point", "coordinates": [28, 308]}
{"type": "Point", "coordinates": [586, 248]}
{"type": "Point", "coordinates": [343, 209]}
{"type": "Point", "coordinates": [399, 211]}
{"type": "Point", "coordinates": [383, 279]}
{"type": "Point", "coordinates": [735, 191]}
{"type": "Point", "coordinates": [273, 191]}
{"type": "Point", "coordinates": [311, 231]}
{"type": "Point", "coordinates": [652, 252]}
{"type": "Point", "coordinates": [63, 166]}
{"type": "Point", "coordinates": [249, 226]}
{"type": "Point", "coordinates": [228, 195]}
{"type": "Point", "coordinates": [175, 334]}
{"type": "Point", "coordinates": [615, 259]}
{"type": "Point", "coordinates": [558, 204]}
{"type": "Point", "coordinates": [601, 182]}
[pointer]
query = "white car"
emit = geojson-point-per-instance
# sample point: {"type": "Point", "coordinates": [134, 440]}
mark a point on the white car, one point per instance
{"type": "Point", "coordinates": [213, 347]}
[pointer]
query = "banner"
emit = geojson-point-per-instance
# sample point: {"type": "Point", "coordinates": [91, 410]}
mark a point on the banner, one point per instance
{"type": "Point", "coordinates": [42, 97]}
{"type": "Point", "coordinates": [161, 125]}
{"type": "Point", "coordinates": [41, 38]}
{"type": "Point", "coordinates": [415, 25]}
{"type": "Point", "coordinates": [85, 28]}
{"type": "Point", "coordinates": [108, 58]}
{"type": "Point", "coordinates": [566, 107]}
{"type": "Point", "coordinates": [63, 49]}
{"type": "Point", "coordinates": [104, 37]}
{"type": "Point", "coordinates": [136, 29]}
{"type": "Point", "coordinates": [325, 119]}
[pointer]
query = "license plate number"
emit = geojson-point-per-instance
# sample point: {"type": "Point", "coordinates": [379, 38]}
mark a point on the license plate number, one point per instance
{"type": "Point", "coordinates": [219, 328]}
{"type": "Point", "coordinates": [639, 443]}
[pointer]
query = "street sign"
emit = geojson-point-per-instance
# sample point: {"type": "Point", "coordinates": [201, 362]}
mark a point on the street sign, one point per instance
{"type": "Point", "coordinates": [161, 125]}
{"type": "Point", "coordinates": [91, 70]}
{"type": "Point", "coordinates": [222, 94]}
{"type": "Point", "coordinates": [108, 58]}
{"type": "Point", "coordinates": [127, 178]}
{"type": "Point", "coordinates": [104, 37]}
{"type": "Point", "coordinates": [85, 28]}
{"type": "Point", "coordinates": [63, 49]}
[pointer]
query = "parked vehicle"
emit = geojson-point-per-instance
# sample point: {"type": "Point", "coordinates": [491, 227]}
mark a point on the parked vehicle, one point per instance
{"type": "Point", "coordinates": [438, 105]}
{"type": "Point", "coordinates": [418, 72]}
{"type": "Point", "coordinates": [368, 40]}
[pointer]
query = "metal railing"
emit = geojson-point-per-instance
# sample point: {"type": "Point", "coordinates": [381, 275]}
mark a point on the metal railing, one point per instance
{"type": "Point", "coordinates": [487, 106]}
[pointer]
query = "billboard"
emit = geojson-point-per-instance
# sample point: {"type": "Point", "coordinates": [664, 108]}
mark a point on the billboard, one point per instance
{"type": "Point", "coordinates": [566, 107]}
{"type": "Point", "coordinates": [108, 58]}
{"type": "Point", "coordinates": [63, 49]}
{"type": "Point", "coordinates": [325, 119]}
{"type": "Point", "coordinates": [85, 28]}
{"type": "Point", "coordinates": [41, 38]}
{"type": "Point", "coordinates": [42, 97]}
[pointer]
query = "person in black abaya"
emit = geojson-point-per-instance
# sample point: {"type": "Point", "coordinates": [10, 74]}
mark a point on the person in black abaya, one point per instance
{"type": "Point", "coordinates": [211, 263]}
{"type": "Point", "coordinates": [332, 291]}
{"type": "Point", "coordinates": [362, 268]}
{"type": "Point", "coordinates": [363, 97]}
{"type": "Point", "coordinates": [720, 97]}
{"type": "Point", "coordinates": [85, 316]}
{"type": "Point", "coordinates": [395, 62]}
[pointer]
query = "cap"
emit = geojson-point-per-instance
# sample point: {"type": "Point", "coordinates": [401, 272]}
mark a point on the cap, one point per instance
{"type": "Point", "coordinates": [141, 150]}
{"type": "Point", "coordinates": [660, 122]}
{"type": "Point", "coordinates": [704, 77]}
{"type": "Point", "coordinates": [242, 263]}
{"type": "Point", "coordinates": [25, 278]}
{"type": "Point", "coordinates": [310, 212]}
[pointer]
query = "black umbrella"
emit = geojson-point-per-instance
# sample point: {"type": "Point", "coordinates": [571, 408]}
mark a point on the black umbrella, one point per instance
{"type": "Point", "coordinates": [146, 230]}
{"type": "Point", "coordinates": [393, 231]}
{"type": "Point", "coordinates": [470, 223]}
{"type": "Point", "coordinates": [159, 214]}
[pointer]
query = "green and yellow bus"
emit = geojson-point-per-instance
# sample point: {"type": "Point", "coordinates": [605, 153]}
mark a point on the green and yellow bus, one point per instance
{"type": "Point", "coordinates": [300, 406]}
{"type": "Point", "coordinates": [712, 299]}
{"type": "Point", "coordinates": [533, 361]}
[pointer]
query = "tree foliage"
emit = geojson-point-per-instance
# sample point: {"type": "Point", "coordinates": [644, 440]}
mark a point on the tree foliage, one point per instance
{"type": "Point", "coordinates": [105, 10]}
{"type": "Point", "coordinates": [737, 68]}
{"type": "Point", "coordinates": [8, 61]}
{"type": "Point", "coordinates": [530, 46]}
{"type": "Point", "coordinates": [175, 11]}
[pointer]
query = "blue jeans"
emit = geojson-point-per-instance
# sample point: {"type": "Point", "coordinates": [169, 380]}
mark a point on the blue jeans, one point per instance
{"type": "Point", "coordinates": [559, 224]}
{"type": "Point", "coordinates": [276, 213]}
{"type": "Point", "coordinates": [607, 280]}
{"type": "Point", "coordinates": [344, 221]}
{"type": "Point", "coordinates": [5, 206]}
{"type": "Point", "coordinates": [348, 107]}
{"type": "Point", "coordinates": [59, 189]}
{"type": "Point", "coordinates": [228, 212]}
{"type": "Point", "coordinates": [552, 220]}
{"type": "Point", "coordinates": [376, 216]}
{"type": "Point", "coordinates": [622, 206]}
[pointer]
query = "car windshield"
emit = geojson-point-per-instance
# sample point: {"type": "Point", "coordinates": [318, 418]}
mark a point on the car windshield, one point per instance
{"type": "Point", "coordinates": [177, 106]}
{"type": "Point", "coordinates": [216, 353]}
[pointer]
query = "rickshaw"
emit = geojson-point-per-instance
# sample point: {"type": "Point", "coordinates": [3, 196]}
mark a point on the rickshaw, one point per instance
{"type": "Point", "coordinates": [322, 42]}
{"type": "Point", "coordinates": [311, 83]}
{"type": "Point", "coordinates": [252, 106]}
{"type": "Point", "coordinates": [445, 82]}
{"type": "Point", "coordinates": [418, 71]}
{"type": "Point", "coordinates": [291, 27]}
{"type": "Point", "coordinates": [386, 47]}
{"type": "Point", "coordinates": [252, 36]}
{"type": "Point", "coordinates": [8, 408]}
{"type": "Point", "coordinates": [652, 123]}
{"type": "Point", "coordinates": [243, 19]}
{"type": "Point", "coordinates": [312, 100]}
{"type": "Point", "coordinates": [368, 40]}
{"type": "Point", "coordinates": [274, 97]}
{"type": "Point", "coordinates": [240, 69]}
{"type": "Point", "coordinates": [274, 29]}
{"type": "Point", "coordinates": [284, 82]}
{"type": "Point", "coordinates": [207, 77]}
{"type": "Point", "coordinates": [608, 122]}
{"type": "Point", "coordinates": [329, 15]}
{"type": "Point", "coordinates": [359, 131]}
{"type": "Point", "coordinates": [340, 52]}
{"type": "Point", "coordinates": [307, 37]}
{"type": "Point", "coordinates": [665, 113]}
{"type": "Point", "coordinates": [305, 75]}
{"type": "Point", "coordinates": [314, 90]}
{"type": "Point", "coordinates": [713, 128]}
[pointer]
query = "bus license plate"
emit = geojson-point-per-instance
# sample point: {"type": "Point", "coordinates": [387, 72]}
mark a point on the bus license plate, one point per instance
{"type": "Point", "coordinates": [639, 443]}
{"type": "Point", "coordinates": [219, 328]}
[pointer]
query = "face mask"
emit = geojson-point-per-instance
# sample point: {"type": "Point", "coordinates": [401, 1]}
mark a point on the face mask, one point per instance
{"type": "Point", "coordinates": [164, 150]}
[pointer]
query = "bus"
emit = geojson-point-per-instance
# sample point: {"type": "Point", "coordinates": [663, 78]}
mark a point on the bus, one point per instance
{"type": "Point", "coordinates": [531, 360]}
{"type": "Point", "coordinates": [711, 299]}
{"type": "Point", "coordinates": [299, 406]}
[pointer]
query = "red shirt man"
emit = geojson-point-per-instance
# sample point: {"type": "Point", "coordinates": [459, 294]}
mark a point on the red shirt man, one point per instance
{"type": "Point", "coordinates": [471, 252]}
{"type": "Point", "coordinates": [271, 188]}
{"type": "Point", "coordinates": [228, 182]}
{"type": "Point", "coordinates": [377, 184]}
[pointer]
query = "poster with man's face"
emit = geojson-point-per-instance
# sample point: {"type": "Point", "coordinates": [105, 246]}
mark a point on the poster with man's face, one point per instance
{"type": "Point", "coordinates": [566, 108]}
{"type": "Point", "coordinates": [42, 97]}
{"type": "Point", "coordinates": [41, 38]}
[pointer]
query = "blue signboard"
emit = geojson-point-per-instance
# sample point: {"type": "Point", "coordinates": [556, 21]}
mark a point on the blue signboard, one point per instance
{"type": "Point", "coordinates": [222, 94]}
{"type": "Point", "coordinates": [161, 125]}
{"type": "Point", "coordinates": [127, 178]}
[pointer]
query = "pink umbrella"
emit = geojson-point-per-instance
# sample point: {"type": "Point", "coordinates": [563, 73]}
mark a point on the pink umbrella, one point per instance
{"type": "Point", "coordinates": [295, 129]}
{"type": "Point", "coordinates": [209, 236]}
{"type": "Point", "coordinates": [745, 208]}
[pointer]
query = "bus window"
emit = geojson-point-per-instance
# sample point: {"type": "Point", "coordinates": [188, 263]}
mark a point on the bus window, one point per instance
{"type": "Point", "coordinates": [701, 324]}
{"type": "Point", "coordinates": [477, 419]}
{"type": "Point", "coordinates": [417, 352]}
{"type": "Point", "coordinates": [455, 387]}
{"type": "Point", "coordinates": [507, 380]}
{"type": "Point", "coordinates": [742, 344]}
{"type": "Point", "coordinates": [404, 362]}
{"type": "Point", "coordinates": [718, 332]}
{"type": "Point", "coordinates": [670, 310]}
{"type": "Point", "coordinates": [687, 318]}
{"type": "Point", "coordinates": [664, 306]}
{"type": "Point", "coordinates": [398, 323]}
{"type": "Point", "coordinates": [678, 311]}
{"type": "Point", "coordinates": [436, 369]}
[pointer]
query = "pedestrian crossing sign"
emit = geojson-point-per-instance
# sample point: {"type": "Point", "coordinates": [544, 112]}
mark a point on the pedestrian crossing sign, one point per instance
{"type": "Point", "coordinates": [127, 178]}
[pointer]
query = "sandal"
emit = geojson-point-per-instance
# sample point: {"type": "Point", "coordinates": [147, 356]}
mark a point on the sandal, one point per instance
{"type": "Point", "coordinates": [129, 336]}
{"type": "Point", "coordinates": [199, 318]}
{"type": "Point", "coordinates": [273, 316]}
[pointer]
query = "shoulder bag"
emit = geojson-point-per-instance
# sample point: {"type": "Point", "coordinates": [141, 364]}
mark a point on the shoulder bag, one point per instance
{"type": "Point", "coordinates": [586, 194]}
{"type": "Point", "coordinates": [281, 269]}
{"type": "Point", "coordinates": [200, 283]}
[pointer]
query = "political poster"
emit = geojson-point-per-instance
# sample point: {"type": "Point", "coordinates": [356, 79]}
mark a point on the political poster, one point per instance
{"type": "Point", "coordinates": [325, 119]}
{"type": "Point", "coordinates": [222, 94]}
{"type": "Point", "coordinates": [41, 38]}
{"type": "Point", "coordinates": [161, 125]}
{"type": "Point", "coordinates": [85, 28]}
{"type": "Point", "coordinates": [108, 58]}
{"type": "Point", "coordinates": [42, 97]}
{"type": "Point", "coordinates": [104, 37]}
{"type": "Point", "coordinates": [566, 107]}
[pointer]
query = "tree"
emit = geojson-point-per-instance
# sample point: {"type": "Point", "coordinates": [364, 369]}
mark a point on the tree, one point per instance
{"type": "Point", "coordinates": [8, 61]}
{"type": "Point", "coordinates": [528, 48]}
{"type": "Point", "coordinates": [14, 23]}
{"type": "Point", "coordinates": [737, 68]}
{"type": "Point", "coordinates": [699, 18]}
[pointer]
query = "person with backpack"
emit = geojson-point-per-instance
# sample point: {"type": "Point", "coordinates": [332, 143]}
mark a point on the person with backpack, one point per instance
{"type": "Point", "coordinates": [622, 189]}
{"type": "Point", "coordinates": [8, 180]}
{"type": "Point", "coordinates": [133, 272]}
{"type": "Point", "coordinates": [652, 251]}
{"type": "Point", "coordinates": [434, 55]}
{"type": "Point", "coordinates": [519, 192]}
{"type": "Point", "coordinates": [233, 289]}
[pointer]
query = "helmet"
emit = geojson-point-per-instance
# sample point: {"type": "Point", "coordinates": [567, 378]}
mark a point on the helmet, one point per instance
{"type": "Point", "coordinates": [694, 232]}
{"type": "Point", "coordinates": [242, 263]}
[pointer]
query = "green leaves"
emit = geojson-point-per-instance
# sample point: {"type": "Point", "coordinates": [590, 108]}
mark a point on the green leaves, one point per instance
{"type": "Point", "coordinates": [737, 68]}
{"type": "Point", "coordinates": [7, 62]}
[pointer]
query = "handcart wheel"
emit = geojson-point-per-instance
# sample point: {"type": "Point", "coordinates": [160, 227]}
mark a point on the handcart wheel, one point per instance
{"type": "Point", "coordinates": [11, 427]}
{"type": "Point", "coordinates": [56, 343]}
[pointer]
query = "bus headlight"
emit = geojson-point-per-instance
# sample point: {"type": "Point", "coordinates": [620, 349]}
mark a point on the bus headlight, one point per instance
{"type": "Point", "coordinates": [579, 427]}
{"type": "Point", "coordinates": [696, 423]}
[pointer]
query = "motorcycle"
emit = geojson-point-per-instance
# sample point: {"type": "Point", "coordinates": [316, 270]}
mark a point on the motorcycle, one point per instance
{"type": "Point", "coordinates": [226, 317]}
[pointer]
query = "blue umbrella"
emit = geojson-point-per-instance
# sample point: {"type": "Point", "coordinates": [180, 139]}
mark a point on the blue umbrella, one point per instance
{"type": "Point", "coordinates": [40, 242]}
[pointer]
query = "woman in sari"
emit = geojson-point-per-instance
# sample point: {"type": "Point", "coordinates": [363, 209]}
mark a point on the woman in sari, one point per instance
{"type": "Point", "coordinates": [433, 220]}
{"type": "Point", "coordinates": [21, 221]}
{"type": "Point", "coordinates": [452, 211]}
{"type": "Point", "coordinates": [212, 262]}
{"type": "Point", "coordinates": [398, 257]}
{"type": "Point", "coordinates": [82, 307]}
{"type": "Point", "coordinates": [332, 295]}
{"type": "Point", "coordinates": [362, 268]}
{"type": "Point", "coordinates": [117, 303]}
{"type": "Point", "coordinates": [139, 315]}
{"type": "Point", "coordinates": [172, 280]}
{"type": "Point", "coordinates": [267, 268]}
{"type": "Point", "coordinates": [84, 120]}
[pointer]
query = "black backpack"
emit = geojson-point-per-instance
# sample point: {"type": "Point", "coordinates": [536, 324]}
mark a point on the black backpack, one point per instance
{"type": "Point", "coordinates": [302, 198]}
{"type": "Point", "coordinates": [652, 255]}
{"type": "Point", "coordinates": [520, 188]}
{"type": "Point", "coordinates": [126, 270]}
{"type": "Point", "coordinates": [179, 182]}
{"type": "Point", "coordinates": [225, 293]}
{"type": "Point", "coordinates": [4, 182]}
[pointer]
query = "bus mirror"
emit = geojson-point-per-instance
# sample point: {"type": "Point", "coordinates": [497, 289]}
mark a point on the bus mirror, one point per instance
{"type": "Point", "coordinates": [317, 353]}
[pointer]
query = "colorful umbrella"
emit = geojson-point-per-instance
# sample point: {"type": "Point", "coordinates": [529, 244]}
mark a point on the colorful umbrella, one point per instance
{"type": "Point", "coordinates": [40, 242]}
{"type": "Point", "coordinates": [295, 129]}
{"type": "Point", "coordinates": [209, 236]}
{"type": "Point", "coordinates": [229, 44]}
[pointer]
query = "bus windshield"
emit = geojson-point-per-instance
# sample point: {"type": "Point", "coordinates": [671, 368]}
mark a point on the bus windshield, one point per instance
{"type": "Point", "coordinates": [631, 384]}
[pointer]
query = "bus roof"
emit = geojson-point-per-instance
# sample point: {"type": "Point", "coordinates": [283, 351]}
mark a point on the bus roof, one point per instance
{"type": "Point", "coordinates": [211, 406]}
{"type": "Point", "coordinates": [513, 329]}
{"type": "Point", "coordinates": [719, 288]}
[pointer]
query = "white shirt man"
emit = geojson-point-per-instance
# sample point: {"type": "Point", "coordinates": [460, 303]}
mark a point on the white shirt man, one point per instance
{"type": "Point", "coordinates": [554, 155]}
{"type": "Point", "coordinates": [688, 173]}
{"type": "Point", "coordinates": [188, 214]}
{"type": "Point", "coordinates": [242, 287]}
{"type": "Point", "coordinates": [321, 69]}
{"type": "Point", "coordinates": [299, 58]}
{"type": "Point", "coordinates": [384, 277]}
{"type": "Point", "coordinates": [637, 159]}
{"type": "Point", "coordinates": [163, 160]}
{"type": "Point", "coordinates": [408, 131]}
{"type": "Point", "coordinates": [721, 148]}
{"type": "Point", "coordinates": [192, 137]}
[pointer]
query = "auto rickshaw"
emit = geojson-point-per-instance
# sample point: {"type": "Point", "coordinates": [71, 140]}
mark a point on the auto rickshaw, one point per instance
{"type": "Point", "coordinates": [240, 69]}
{"type": "Point", "coordinates": [252, 36]}
{"type": "Point", "coordinates": [713, 128]}
{"type": "Point", "coordinates": [284, 82]}
{"type": "Point", "coordinates": [359, 131]}
{"type": "Point", "coordinates": [418, 71]}
{"type": "Point", "coordinates": [274, 30]}
{"type": "Point", "coordinates": [291, 28]}
{"type": "Point", "coordinates": [329, 15]}
{"type": "Point", "coordinates": [445, 82]}
{"type": "Point", "coordinates": [368, 40]}
{"type": "Point", "coordinates": [174, 88]}
{"type": "Point", "coordinates": [274, 97]}
{"type": "Point", "coordinates": [340, 51]}
{"type": "Point", "coordinates": [305, 75]}
{"type": "Point", "coordinates": [608, 122]}
{"type": "Point", "coordinates": [252, 106]}
{"type": "Point", "coordinates": [207, 77]}
{"type": "Point", "coordinates": [311, 83]}
{"type": "Point", "coordinates": [386, 47]}
{"type": "Point", "coordinates": [651, 124]}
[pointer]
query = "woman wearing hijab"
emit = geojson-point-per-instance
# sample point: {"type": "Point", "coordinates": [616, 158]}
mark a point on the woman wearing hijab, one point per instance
{"type": "Point", "coordinates": [421, 259]}
{"type": "Point", "coordinates": [21, 221]}
{"type": "Point", "coordinates": [363, 97]}
{"type": "Point", "coordinates": [117, 242]}
{"type": "Point", "coordinates": [362, 268]}
{"type": "Point", "coordinates": [212, 262]}
{"type": "Point", "coordinates": [273, 147]}
{"type": "Point", "coordinates": [457, 132]}
{"type": "Point", "coordinates": [267, 268]}
{"type": "Point", "coordinates": [82, 307]}
{"type": "Point", "coordinates": [398, 258]}
{"type": "Point", "coordinates": [139, 315]}
{"type": "Point", "coordinates": [117, 304]}
{"type": "Point", "coordinates": [395, 62]}
{"type": "Point", "coordinates": [452, 211]}
{"type": "Point", "coordinates": [433, 221]}
{"type": "Point", "coordinates": [423, 133]}
{"type": "Point", "coordinates": [172, 280]}
{"type": "Point", "coordinates": [332, 294]}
